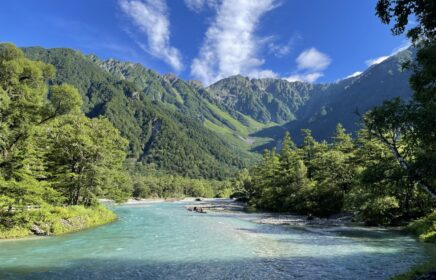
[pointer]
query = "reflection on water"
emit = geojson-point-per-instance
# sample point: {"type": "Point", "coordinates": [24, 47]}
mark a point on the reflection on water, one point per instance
{"type": "Point", "coordinates": [164, 241]}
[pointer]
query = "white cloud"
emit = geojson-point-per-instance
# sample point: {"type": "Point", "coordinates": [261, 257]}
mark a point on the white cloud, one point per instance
{"type": "Point", "coordinates": [404, 46]}
{"type": "Point", "coordinates": [151, 18]}
{"type": "Point", "coordinates": [309, 77]}
{"type": "Point", "coordinates": [310, 66]}
{"type": "Point", "coordinates": [282, 49]}
{"type": "Point", "coordinates": [312, 59]}
{"type": "Point", "coordinates": [230, 46]}
{"type": "Point", "coordinates": [355, 74]}
{"type": "Point", "coordinates": [260, 74]}
{"type": "Point", "coordinates": [374, 61]}
{"type": "Point", "coordinates": [198, 5]}
{"type": "Point", "coordinates": [279, 50]}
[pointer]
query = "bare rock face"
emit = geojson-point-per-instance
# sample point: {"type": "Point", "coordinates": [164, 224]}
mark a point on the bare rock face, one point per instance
{"type": "Point", "coordinates": [37, 230]}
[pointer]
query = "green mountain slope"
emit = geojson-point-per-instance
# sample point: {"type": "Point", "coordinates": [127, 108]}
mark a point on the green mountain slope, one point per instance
{"type": "Point", "coordinates": [187, 97]}
{"type": "Point", "coordinates": [319, 107]}
{"type": "Point", "coordinates": [163, 132]}
{"type": "Point", "coordinates": [265, 100]}
{"type": "Point", "coordinates": [182, 127]}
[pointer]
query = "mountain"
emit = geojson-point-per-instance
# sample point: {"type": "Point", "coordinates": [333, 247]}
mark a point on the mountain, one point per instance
{"type": "Point", "coordinates": [265, 100]}
{"type": "Point", "coordinates": [181, 127]}
{"type": "Point", "coordinates": [162, 116]}
{"type": "Point", "coordinates": [319, 107]}
{"type": "Point", "coordinates": [189, 98]}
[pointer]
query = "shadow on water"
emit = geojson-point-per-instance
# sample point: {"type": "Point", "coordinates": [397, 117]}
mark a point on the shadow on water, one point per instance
{"type": "Point", "coordinates": [339, 267]}
{"type": "Point", "coordinates": [163, 242]}
{"type": "Point", "coordinates": [322, 237]}
{"type": "Point", "coordinates": [345, 231]}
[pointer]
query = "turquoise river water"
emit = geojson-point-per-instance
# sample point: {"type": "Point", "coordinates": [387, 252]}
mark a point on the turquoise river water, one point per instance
{"type": "Point", "coordinates": [164, 241]}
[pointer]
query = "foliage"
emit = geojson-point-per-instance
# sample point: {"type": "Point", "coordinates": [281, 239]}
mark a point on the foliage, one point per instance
{"type": "Point", "coordinates": [85, 157]}
{"type": "Point", "coordinates": [420, 270]}
{"type": "Point", "coordinates": [162, 185]}
{"type": "Point", "coordinates": [312, 178]}
{"type": "Point", "coordinates": [55, 220]}
{"type": "Point", "coordinates": [401, 10]}
{"type": "Point", "coordinates": [361, 176]}
{"type": "Point", "coordinates": [161, 116]}
{"type": "Point", "coordinates": [425, 227]}
{"type": "Point", "coordinates": [51, 155]}
{"type": "Point", "coordinates": [407, 129]}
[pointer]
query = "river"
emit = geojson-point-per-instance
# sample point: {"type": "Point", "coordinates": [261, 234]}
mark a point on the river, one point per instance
{"type": "Point", "coordinates": [165, 241]}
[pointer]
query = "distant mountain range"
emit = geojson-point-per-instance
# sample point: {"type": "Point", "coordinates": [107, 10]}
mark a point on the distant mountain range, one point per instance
{"type": "Point", "coordinates": [319, 107]}
{"type": "Point", "coordinates": [180, 126]}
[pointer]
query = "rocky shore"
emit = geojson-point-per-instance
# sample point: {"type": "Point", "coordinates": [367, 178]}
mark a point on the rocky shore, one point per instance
{"type": "Point", "coordinates": [230, 205]}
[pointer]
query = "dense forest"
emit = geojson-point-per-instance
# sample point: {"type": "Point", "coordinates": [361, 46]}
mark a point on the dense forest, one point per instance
{"type": "Point", "coordinates": [386, 175]}
{"type": "Point", "coordinates": [74, 128]}
{"type": "Point", "coordinates": [159, 133]}
{"type": "Point", "coordinates": [54, 160]}
{"type": "Point", "coordinates": [357, 176]}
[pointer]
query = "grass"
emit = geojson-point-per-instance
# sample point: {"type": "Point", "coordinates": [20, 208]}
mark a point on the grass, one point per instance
{"type": "Point", "coordinates": [419, 269]}
{"type": "Point", "coordinates": [57, 220]}
{"type": "Point", "coordinates": [236, 131]}
{"type": "Point", "coordinates": [229, 120]}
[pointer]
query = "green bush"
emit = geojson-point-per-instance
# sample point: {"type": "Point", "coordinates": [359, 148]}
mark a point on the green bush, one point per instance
{"type": "Point", "coordinates": [56, 220]}
{"type": "Point", "coordinates": [380, 210]}
{"type": "Point", "coordinates": [425, 228]}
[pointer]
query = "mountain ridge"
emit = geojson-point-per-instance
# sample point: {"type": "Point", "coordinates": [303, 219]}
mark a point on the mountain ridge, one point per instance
{"type": "Point", "coordinates": [216, 126]}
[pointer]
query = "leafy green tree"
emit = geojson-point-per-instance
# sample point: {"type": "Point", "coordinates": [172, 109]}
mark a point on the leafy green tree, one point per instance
{"type": "Point", "coordinates": [22, 94]}
{"type": "Point", "coordinates": [383, 193]}
{"type": "Point", "coordinates": [407, 129]}
{"type": "Point", "coordinates": [85, 157]}
{"type": "Point", "coordinates": [243, 185]}
{"type": "Point", "coordinates": [400, 11]}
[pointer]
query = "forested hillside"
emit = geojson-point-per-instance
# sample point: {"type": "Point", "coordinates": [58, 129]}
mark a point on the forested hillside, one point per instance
{"type": "Point", "coordinates": [165, 118]}
{"type": "Point", "coordinates": [319, 107]}
{"type": "Point", "coordinates": [162, 120]}
{"type": "Point", "coordinates": [54, 161]}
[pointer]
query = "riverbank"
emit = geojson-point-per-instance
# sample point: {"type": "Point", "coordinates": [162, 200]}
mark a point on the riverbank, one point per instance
{"type": "Point", "coordinates": [341, 222]}
{"type": "Point", "coordinates": [231, 205]}
{"type": "Point", "coordinates": [56, 221]}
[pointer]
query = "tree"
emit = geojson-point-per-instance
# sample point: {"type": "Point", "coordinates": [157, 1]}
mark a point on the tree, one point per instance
{"type": "Point", "coordinates": [400, 11]}
{"type": "Point", "coordinates": [85, 157]}
{"type": "Point", "coordinates": [292, 176]}
{"type": "Point", "coordinates": [383, 193]}
{"type": "Point", "coordinates": [22, 95]}
{"type": "Point", "coordinates": [407, 129]}
{"type": "Point", "coordinates": [265, 175]}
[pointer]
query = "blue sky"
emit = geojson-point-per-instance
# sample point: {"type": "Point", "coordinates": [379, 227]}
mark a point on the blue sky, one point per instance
{"type": "Point", "coordinates": [310, 40]}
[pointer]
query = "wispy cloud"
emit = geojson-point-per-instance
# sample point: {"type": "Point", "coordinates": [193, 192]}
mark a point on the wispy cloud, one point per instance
{"type": "Point", "coordinates": [373, 61]}
{"type": "Point", "coordinates": [199, 5]}
{"type": "Point", "coordinates": [151, 18]}
{"type": "Point", "coordinates": [355, 74]}
{"type": "Point", "coordinates": [377, 60]}
{"type": "Point", "coordinates": [280, 50]}
{"type": "Point", "coordinates": [310, 66]}
{"type": "Point", "coordinates": [230, 45]}
{"type": "Point", "coordinates": [309, 77]}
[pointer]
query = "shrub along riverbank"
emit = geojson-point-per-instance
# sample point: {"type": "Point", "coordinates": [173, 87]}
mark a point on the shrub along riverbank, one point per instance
{"type": "Point", "coordinates": [54, 161]}
{"type": "Point", "coordinates": [54, 220]}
